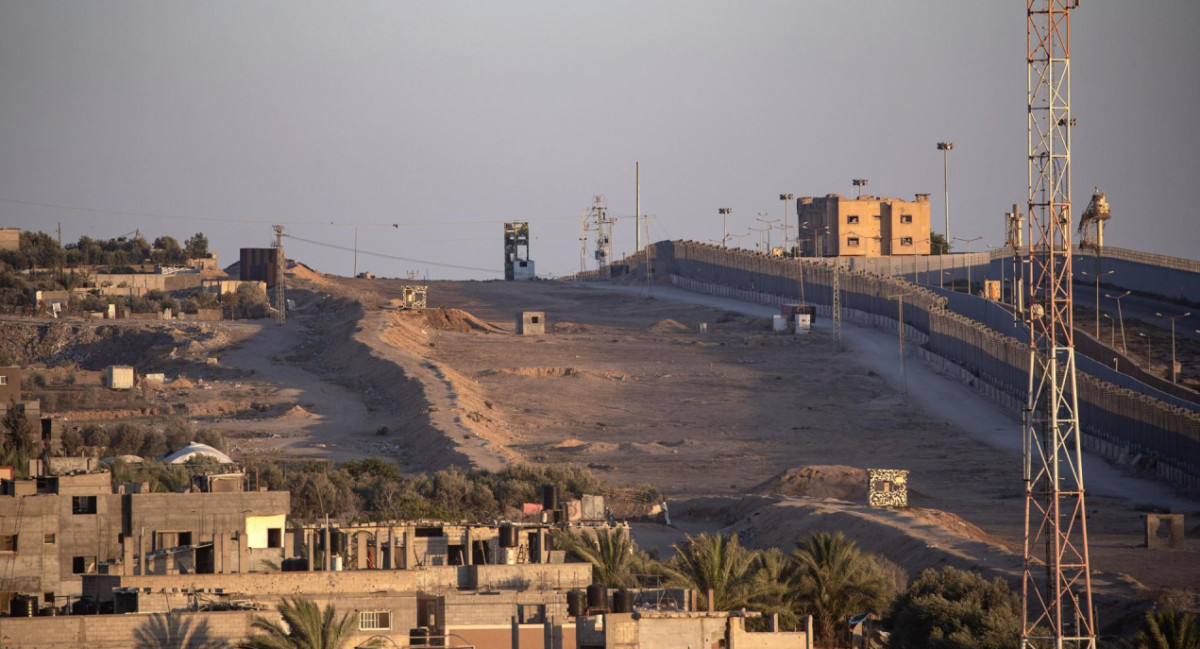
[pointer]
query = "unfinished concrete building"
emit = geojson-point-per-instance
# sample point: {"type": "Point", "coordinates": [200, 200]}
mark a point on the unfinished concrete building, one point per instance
{"type": "Point", "coordinates": [531, 323]}
{"type": "Point", "coordinates": [10, 386]}
{"type": "Point", "coordinates": [58, 528]}
{"type": "Point", "coordinates": [868, 226]}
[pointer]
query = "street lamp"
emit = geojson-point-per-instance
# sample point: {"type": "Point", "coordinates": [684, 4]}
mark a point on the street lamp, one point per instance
{"type": "Point", "coordinates": [1173, 318]}
{"type": "Point", "coordinates": [725, 212]}
{"type": "Point", "coordinates": [1097, 277]}
{"type": "Point", "coordinates": [784, 198]}
{"type": "Point", "coordinates": [1120, 317]}
{"type": "Point", "coordinates": [946, 148]}
{"type": "Point", "coordinates": [968, 242]}
{"type": "Point", "coordinates": [1113, 332]}
{"type": "Point", "coordinates": [859, 183]}
{"type": "Point", "coordinates": [1147, 349]}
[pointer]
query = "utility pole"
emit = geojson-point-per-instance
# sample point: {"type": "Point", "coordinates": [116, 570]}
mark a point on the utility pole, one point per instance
{"type": "Point", "coordinates": [724, 212]}
{"type": "Point", "coordinates": [785, 199]}
{"type": "Point", "coordinates": [1056, 585]}
{"type": "Point", "coordinates": [280, 266]}
{"type": "Point", "coordinates": [837, 308]}
{"type": "Point", "coordinates": [637, 207]}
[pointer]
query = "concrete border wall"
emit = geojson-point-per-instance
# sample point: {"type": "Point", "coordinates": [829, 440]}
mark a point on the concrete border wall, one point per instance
{"type": "Point", "coordinates": [1118, 421]}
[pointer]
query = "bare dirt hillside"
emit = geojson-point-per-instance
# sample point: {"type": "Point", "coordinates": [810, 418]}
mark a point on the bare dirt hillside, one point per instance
{"type": "Point", "coordinates": [627, 385]}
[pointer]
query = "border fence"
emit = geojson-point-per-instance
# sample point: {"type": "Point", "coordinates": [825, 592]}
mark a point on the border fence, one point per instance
{"type": "Point", "coordinates": [1120, 423]}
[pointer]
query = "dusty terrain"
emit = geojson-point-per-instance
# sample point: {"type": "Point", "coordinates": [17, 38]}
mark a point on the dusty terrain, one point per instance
{"type": "Point", "coordinates": [625, 383]}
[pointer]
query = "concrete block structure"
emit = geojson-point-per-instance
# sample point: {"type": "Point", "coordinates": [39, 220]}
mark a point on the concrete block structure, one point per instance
{"type": "Point", "coordinates": [62, 527]}
{"type": "Point", "coordinates": [259, 265]}
{"type": "Point", "coordinates": [10, 385]}
{"type": "Point", "coordinates": [531, 323]}
{"type": "Point", "coordinates": [868, 226]}
{"type": "Point", "coordinates": [1165, 532]}
{"type": "Point", "coordinates": [680, 630]}
{"type": "Point", "coordinates": [119, 377]}
{"type": "Point", "coordinates": [10, 239]}
{"type": "Point", "coordinates": [887, 487]}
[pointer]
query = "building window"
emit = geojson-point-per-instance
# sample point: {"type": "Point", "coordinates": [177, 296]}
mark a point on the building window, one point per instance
{"type": "Point", "coordinates": [852, 242]}
{"type": "Point", "coordinates": [274, 537]}
{"type": "Point", "coordinates": [48, 539]}
{"type": "Point", "coordinates": [83, 565]}
{"type": "Point", "coordinates": [906, 218]}
{"type": "Point", "coordinates": [374, 620]}
{"type": "Point", "coordinates": [906, 241]}
{"type": "Point", "coordinates": [8, 542]}
{"type": "Point", "coordinates": [83, 504]}
{"type": "Point", "coordinates": [852, 219]}
{"type": "Point", "coordinates": [3, 379]}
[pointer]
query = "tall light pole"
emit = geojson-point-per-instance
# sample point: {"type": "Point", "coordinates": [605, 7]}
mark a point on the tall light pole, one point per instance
{"type": "Point", "coordinates": [785, 198]}
{"type": "Point", "coordinates": [859, 183]}
{"type": "Point", "coordinates": [1097, 277]}
{"type": "Point", "coordinates": [724, 212]}
{"type": "Point", "coordinates": [1140, 334]}
{"type": "Point", "coordinates": [1112, 328]}
{"type": "Point", "coordinates": [969, 242]}
{"type": "Point", "coordinates": [1173, 318]}
{"type": "Point", "coordinates": [1120, 316]}
{"type": "Point", "coordinates": [946, 148]}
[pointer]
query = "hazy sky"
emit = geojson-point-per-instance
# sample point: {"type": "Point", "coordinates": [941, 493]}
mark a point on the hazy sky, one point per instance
{"type": "Point", "coordinates": [449, 117]}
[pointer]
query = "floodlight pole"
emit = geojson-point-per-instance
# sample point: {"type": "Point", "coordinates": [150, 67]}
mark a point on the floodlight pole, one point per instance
{"type": "Point", "coordinates": [946, 148]}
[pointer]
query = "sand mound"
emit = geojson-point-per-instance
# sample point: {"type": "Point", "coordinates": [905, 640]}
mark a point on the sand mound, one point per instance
{"type": "Point", "coordinates": [456, 320]}
{"type": "Point", "coordinates": [652, 448]}
{"type": "Point", "coordinates": [669, 326]}
{"type": "Point", "coordinates": [954, 524]}
{"type": "Point", "coordinates": [570, 444]}
{"type": "Point", "coordinates": [298, 412]}
{"type": "Point", "coordinates": [831, 481]}
{"type": "Point", "coordinates": [182, 383]}
{"type": "Point", "coordinates": [569, 328]}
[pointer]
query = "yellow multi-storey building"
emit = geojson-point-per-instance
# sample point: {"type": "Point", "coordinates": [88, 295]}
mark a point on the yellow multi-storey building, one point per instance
{"type": "Point", "coordinates": [867, 226]}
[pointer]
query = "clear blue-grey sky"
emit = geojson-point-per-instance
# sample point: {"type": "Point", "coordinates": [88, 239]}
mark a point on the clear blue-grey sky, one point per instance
{"type": "Point", "coordinates": [447, 118]}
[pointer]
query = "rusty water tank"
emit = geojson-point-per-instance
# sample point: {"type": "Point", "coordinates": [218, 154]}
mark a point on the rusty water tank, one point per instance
{"type": "Point", "coordinates": [576, 606]}
{"type": "Point", "coordinates": [508, 536]}
{"type": "Point", "coordinates": [623, 601]}
{"type": "Point", "coordinates": [597, 597]}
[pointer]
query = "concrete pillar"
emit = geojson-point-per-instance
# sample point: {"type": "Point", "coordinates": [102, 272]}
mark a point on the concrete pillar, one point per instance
{"type": "Point", "coordinates": [516, 634]}
{"type": "Point", "coordinates": [467, 545]}
{"type": "Point", "coordinates": [360, 550]}
{"type": "Point", "coordinates": [311, 549]}
{"type": "Point", "coordinates": [327, 559]}
{"type": "Point", "coordinates": [142, 552]}
{"type": "Point", "coordinates": [392, 548]}
{"type": "Point", "coordinates": [557, 630]}
{"type": "Point", "coordinates": [404, 540]}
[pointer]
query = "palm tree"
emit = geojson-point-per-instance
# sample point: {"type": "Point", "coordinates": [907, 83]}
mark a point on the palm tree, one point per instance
{"type": "Point", "coordinates": [304, 627]}
{"type": "Point", "coordinates": [1169, 629]}
{"type": "Point", "coordinates": [771, 572]}
{"type": "Point", "coordinates": [835, 580]}
{"type": "Point", "coordinates": [610, 551]}
{"type": "Point", "coordinates": [718, 563]}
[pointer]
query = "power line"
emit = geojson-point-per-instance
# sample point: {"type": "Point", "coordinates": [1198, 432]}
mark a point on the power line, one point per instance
{"type": "Point", "coordinates": [395, 257]}
{"type": "Point", "coordinates": [218, 219]}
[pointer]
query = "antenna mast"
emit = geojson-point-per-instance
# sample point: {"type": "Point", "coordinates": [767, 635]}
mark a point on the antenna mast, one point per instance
{"type": "Point", "coordinates": [1056, 592]}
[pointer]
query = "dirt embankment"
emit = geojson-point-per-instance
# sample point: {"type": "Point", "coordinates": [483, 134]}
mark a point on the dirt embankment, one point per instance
{"type": "Point", "coordinates": [436, 414]}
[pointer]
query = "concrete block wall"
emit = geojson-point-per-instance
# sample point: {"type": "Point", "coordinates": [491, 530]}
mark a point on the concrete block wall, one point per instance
{"type": "Point", "coordinates": [540, 576]}
{"type": "Point", "coordinates": [118, 631]}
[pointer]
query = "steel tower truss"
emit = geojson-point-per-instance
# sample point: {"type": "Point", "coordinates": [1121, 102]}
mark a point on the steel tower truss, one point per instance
{"type": "Point", "coordinates": [1056, 593]}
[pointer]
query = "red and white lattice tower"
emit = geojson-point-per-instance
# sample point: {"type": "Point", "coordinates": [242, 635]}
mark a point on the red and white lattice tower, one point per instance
{"type": "Point", "coordinates": [1056, 595]}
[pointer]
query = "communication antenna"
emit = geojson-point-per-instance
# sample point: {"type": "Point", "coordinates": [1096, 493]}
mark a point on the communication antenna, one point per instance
{"type": "Point", "coordinates": [596, 219]}
{"type": "Point", "coordinates": [1056, 593]}
{"type": "Point", "coordinates": [280, 299]}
